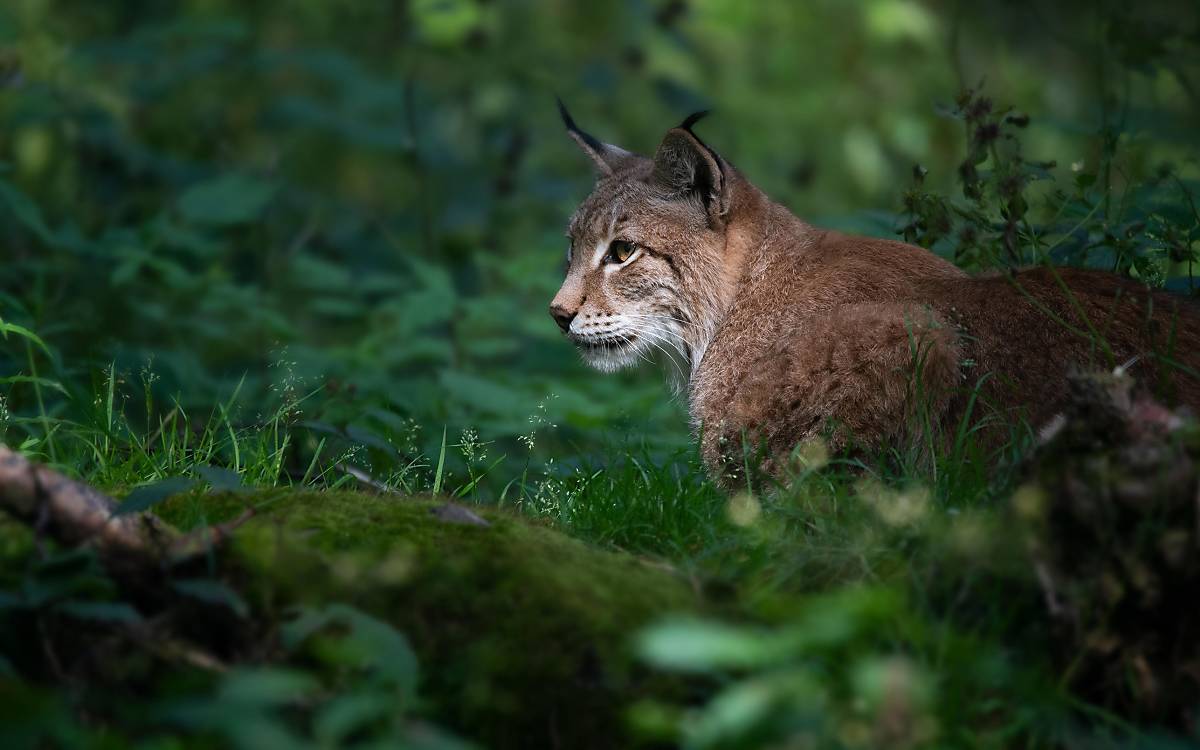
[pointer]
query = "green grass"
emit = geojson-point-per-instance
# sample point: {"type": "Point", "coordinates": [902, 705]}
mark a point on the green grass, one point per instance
{"type": "Point", "coordinates": [922, 535]}
{"type": "Point", "coordinates": [297, 260]}
{"type": "Point", "coordinates": [907, 561]}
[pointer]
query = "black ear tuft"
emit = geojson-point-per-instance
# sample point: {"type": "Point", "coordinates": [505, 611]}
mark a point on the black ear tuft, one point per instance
{"type": "Point", "coordinates": [692, 119]}
{"type": "Point", "coordinates": [572, 128]}
{"type": "Point", "coordinates": [607, 157]}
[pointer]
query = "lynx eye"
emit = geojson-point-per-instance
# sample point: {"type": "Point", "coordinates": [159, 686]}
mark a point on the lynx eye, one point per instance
{"type": "Point", "coordinates": [620, 251]}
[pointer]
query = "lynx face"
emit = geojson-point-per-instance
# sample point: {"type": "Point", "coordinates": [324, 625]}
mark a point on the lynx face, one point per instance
{"type": "Point", "coordinates": [641, 248]}
{"type": "Point", "coordinates": [630, 261]}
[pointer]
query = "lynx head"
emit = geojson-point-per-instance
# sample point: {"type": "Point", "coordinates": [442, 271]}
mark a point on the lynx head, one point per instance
{"type": "Point", "coordinates": [644, 259]}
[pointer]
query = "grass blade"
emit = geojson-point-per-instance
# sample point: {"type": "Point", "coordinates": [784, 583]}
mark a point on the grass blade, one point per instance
{"type": "Point", "coordinates": [437, 477]}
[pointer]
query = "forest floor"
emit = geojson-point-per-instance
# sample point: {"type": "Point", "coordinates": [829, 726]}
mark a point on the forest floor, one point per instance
{"type": "Point", "coordinates": [949, 603]}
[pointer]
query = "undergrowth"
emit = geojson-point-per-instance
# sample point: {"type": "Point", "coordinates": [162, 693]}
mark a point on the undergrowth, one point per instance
{"type": "Point", "coordinates": [155, 348]}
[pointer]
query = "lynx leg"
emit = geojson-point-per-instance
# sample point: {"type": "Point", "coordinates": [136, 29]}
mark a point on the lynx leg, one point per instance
{"type": "Point", "coordinates": [872, 372]}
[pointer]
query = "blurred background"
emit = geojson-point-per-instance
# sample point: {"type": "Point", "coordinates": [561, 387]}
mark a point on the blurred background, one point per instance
{"type": "Point", "coordinates": [355, 211]}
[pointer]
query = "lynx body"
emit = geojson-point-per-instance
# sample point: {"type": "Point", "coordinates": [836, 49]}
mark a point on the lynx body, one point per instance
{"type": "Point", "coordinates": [783, 331]}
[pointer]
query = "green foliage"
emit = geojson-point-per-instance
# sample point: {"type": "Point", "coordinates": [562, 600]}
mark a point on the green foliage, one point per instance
{"type": "Point", "coordinates": [225, 201]}
{"type": "Point", "coordinates": [310, 247]}
{"type": "Point", "coordinates": [283, 705]}
{"type": "Point", "coordinates": [1149, 233]}
{"type": "Point", "coordinates": [822, 676]}
{"type": "Point", "coordinates": [378, 217]}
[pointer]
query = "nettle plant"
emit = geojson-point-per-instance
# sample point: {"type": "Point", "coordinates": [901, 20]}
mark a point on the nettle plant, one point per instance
{"type": "Point", "coordinates": [1013, 211]}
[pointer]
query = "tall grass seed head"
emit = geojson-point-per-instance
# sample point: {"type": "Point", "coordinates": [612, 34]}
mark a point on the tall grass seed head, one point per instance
{"type": "Point", "coordinates": [743, 509]}
{"type": "Point", "coordinates": [905, 507]}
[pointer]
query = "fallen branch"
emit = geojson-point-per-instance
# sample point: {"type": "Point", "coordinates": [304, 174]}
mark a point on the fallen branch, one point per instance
{"type": "Point", "coordinates": [74, 514]}
{"type": "Point", "coordinates": [447, 512]}
{"type": "Point", "coordinates": [201, 541]}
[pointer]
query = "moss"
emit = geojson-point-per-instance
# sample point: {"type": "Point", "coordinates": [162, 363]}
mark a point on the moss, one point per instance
{"type": "Point", "coordinates": [522, 632]}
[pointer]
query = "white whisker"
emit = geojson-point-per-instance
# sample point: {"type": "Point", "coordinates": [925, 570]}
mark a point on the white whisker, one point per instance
{"type": "Point", "coordinates": [652, 335]}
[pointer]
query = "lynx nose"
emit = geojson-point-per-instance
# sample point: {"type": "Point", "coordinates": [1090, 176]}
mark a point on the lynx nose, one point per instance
{"type": "Point", "coordinates": [562, 316]}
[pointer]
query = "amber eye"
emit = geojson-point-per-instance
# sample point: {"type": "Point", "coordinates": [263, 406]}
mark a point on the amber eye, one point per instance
{"type": "Point", "coordinates": [619, 251]}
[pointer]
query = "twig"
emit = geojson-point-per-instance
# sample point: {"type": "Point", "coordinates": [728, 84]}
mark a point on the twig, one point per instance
{"type": "Point", "coordinates": [175, 650]}
{"type": "Point", "coordinates": [201, 541]}
{"type": "Point", "coordinates": [365, 478]}
{"type": "Point", "coordinates": [75, 514]}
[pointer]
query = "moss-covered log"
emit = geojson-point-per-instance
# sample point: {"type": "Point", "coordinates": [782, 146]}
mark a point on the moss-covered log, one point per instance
{"type": "Point", "coordinates": [521, 632]}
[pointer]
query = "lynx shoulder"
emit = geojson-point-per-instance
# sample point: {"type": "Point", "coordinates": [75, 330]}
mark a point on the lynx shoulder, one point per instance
{"type": "Point", "coordinates": [780, 331]}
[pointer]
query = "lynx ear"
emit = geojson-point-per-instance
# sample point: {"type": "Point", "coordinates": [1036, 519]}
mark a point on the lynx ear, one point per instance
{"type": "Point", "coordinates": [688, 168]}
{"type": "Point", "coordinates": [608, 158]}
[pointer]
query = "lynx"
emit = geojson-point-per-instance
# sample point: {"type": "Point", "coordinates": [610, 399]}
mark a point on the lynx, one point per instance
{"type": "Point", "coordinates": [785, 331]}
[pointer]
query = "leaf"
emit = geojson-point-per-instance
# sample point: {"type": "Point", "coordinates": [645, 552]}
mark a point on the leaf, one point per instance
{"type": "Point", "coordinates": [226, 201]}
{"type": "Point", "coordinates": [108, 612]}
{"type": "Point", "coordinates": [266, 687]}
{"type": "Point", "coordinates": [22, 331]}
{"type": "Point", "coordinates": [328, 429]}
{"type": "Point", "coordinates": [27, 213]}
{"type": "Point", "coordinates": [491, 346]}
{"type": "Point", "coordinates": [177, 236]}
{"type": "Point", "coordinates": [350, 125]}
{"type": "Point", "coordinates": [737, 711]}
{"type": "Point", "coordinates": [308, 621]}
{"type": "Point", "coordinates": [147, 496]}
{"type": "Point", "coordinates": [334, 307]}
{"type": "Point", "coordinates": [43, 382]}
{"type": "Point", "coordinates": [445, 22]}
{"type": "Point", "coordinates": [835, 619]}
{"type": "Point", "coordinates": [68, 563]}
{"type": "Point", "coordinates": [317, 274]}
{"type": "Point", "coordinates": [371, 644]}
{"type": "Point", "coordinates": [347, 714]}
{"type": "Point", "coordinates": [701, 646]}
{"type": "Point", "coordinates": [220, 479]}
{"type": "Point", "coordinates": [213, 592]}
{"type": "Point", "coordinates": [390, 419]}
{"type": "Point", "coordinates": [262, 732]}
{"type": "Point", "coordinates": [484, 394]}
